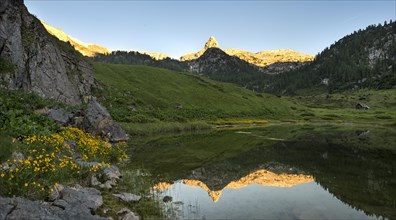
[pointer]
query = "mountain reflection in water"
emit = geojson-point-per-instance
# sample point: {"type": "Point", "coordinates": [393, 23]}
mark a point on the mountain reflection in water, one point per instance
{"type": "Point", "coordinates": [260, 177]}
{"type": "Point", "coordinates": [278, 172]}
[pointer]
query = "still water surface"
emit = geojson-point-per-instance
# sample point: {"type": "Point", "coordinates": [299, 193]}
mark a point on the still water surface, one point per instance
{"type": "Point", "coordinates": [276, 172]}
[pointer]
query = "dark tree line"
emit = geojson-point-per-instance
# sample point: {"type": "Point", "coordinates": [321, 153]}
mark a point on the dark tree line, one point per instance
{"type": "Point", "coordinates": [136, 58]}
{"type": "Point", "coordinates": [365, 58]}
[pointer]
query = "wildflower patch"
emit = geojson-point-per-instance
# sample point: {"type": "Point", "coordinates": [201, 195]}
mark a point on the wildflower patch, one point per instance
{"type": "Point", "coordinates": [49, 160]}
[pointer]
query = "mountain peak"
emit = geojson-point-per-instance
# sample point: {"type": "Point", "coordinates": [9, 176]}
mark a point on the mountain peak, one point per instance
{"type": "Point", "coordinates": [211, 43]}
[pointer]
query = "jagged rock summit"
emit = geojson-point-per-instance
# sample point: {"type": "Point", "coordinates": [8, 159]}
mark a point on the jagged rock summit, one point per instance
{"type": "Point", "coordinates": [211, 43]}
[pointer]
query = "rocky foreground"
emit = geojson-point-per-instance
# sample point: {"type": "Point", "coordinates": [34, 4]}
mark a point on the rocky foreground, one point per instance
{"type": "Point", "coordinates": [66, 203]}
{"type": "Point", "coordinates": [75, 202]}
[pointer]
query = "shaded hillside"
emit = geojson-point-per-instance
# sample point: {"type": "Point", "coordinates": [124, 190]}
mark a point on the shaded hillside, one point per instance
{"type": "Point", "coordinates": [213, 63]}
{"type": "Point", "coordinates": [33, 60]}
{"type": "Point", "coordinates": [140, 58]}
{"type": "Point", "coordinates": [363, 59]}
{"type": "Point", "coordinates": [216, 64]}
{"type": "Point", "coordinates": [134, 93]}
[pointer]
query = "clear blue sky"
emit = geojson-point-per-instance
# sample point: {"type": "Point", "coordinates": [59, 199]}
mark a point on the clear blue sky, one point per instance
{"type": "Point", "coordinates": [180, 27]}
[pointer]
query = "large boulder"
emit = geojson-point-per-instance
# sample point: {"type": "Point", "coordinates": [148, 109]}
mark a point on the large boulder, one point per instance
{"type": "Point", "coordinates": [60, 115]}
{"type": "Point", "coordinates": [86, 198]}
{"type": "Point", "coordinates": [98, 121]}
{"type": "Point", "coordinates": [127, 197]}
{"type": "Point", "coordinates": [5, 207]}
{"type": "Point", "coordinates": [126, 214]}
{"type": "Point", "coordinates": [362, 106]}
{"type": "Point", "coordinates": [74, 203]}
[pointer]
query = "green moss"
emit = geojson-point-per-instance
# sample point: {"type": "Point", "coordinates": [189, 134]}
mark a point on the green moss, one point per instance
{"type": "Point", "coordinates": [6, 66]}
{"type": "Point", "coordinates": [6, 146]}
{"type": "Point", "coordinates": [28, 35]}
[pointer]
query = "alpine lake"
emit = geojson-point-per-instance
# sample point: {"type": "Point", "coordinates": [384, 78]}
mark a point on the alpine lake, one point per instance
{"type": "Point", "coordinates": [278, 171]}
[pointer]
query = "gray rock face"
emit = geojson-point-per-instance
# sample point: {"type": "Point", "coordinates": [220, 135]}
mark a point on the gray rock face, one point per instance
{"type": "Point", "coordinates": [26, 209]}
{"type": "Point", "coordinates": [281, 67]}
{"type": "Point", "coordinates": [128, 197]}
{"type": "Point", "coordinates": [99, 122]}
{"type": "Point", "coordinates": [5, 207]}
{"type": "Point", "coordinates": [41, 66]}
{"type": "Point", "coordinates": [126, 214]}
{"type": "Point", "coordinates": [88, 198]}
{"type": "Point", "coordinates": [362, 106]}
{"type": "Point", "coordinates": [112, 172]}
{"type": "Point", "coordinates": [108, 176]}
{"type": "Point", "coordinates": [60, 115]}
{"type": "Point", "coordinates": [73, 204]}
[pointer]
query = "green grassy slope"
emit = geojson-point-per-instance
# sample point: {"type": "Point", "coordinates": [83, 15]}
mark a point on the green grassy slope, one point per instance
{"type": "Point", "coordinates": [147, 94]}
{"type": "Point", "coordinates": [341, 106]}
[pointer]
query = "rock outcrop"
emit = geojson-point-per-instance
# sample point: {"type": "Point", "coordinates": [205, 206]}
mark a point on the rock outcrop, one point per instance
{"type": "Point", "coordinates": [40, 63]}
{"type": "Point", "coordinates": [73, 203]}
{"type": "Point", "coordinates": [99, 122]}
{"type": "Point", "coordinates": [126, 214]}
{"type": "Point", "coordinates": [127, 197]}
{"type": "Point", "coordinates": [281, 67]}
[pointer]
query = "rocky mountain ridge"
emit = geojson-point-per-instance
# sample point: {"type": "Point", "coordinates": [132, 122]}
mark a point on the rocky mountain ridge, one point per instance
{"type": "Point", "coordinates": [261, 59]}
{"type": "Point", "coordinates": [90, 49]}
{"type": "Point", "coordinates": [85, 49]}
{"type": "Point", "coordinates": [268, 57]}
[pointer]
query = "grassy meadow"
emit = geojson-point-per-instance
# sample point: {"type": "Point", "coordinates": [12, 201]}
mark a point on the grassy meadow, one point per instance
{"type": "Point", "coordinates": [139, 94]}
{"type": "Point", "coordinates": [149, 100]}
